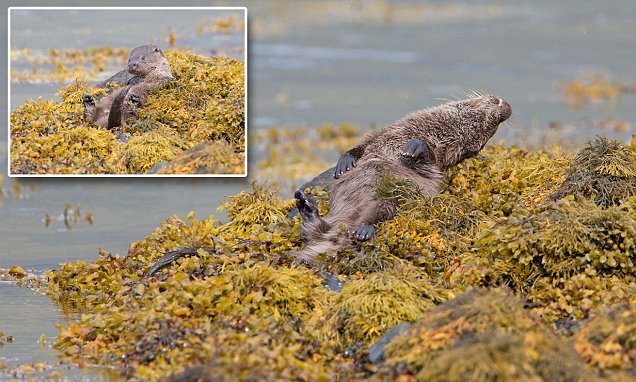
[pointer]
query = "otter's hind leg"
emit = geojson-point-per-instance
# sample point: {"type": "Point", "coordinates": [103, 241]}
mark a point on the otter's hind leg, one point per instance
{"type": "Point", "coordinates": [117, 114]}
{"type": "Point", "coordinates": [381, 210]}
{"type": "Point", "coordinates": [364, 232]}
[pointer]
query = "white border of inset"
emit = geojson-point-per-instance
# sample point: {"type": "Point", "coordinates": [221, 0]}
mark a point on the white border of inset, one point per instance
{"type": "Point", "coordinates": [244, 175]}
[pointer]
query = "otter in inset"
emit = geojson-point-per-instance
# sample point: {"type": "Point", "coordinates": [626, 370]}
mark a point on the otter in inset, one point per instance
{"type": "Point", "coordinates": [150, 69]}
{"type": "Point", "coordinates": [417, 148]}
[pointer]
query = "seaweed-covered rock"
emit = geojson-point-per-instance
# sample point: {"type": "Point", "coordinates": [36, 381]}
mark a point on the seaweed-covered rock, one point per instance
{"type": "Point", "coordinates": [48, 137]}
{"type": "Point", "coordinates": [254, 357]}
{"type": "Point", "coordinates": [180, 314]}
{"type": "Point", "coordinates": [431, 230]}
{"type": "Point", "coordinates": [609, 340]}
{"type": "Point", "coordinates": [604, 171]}
{"type": "Point", "coordinates": [494, 356]}
{"type": "Point", "coordinates": [367, 308]}
{"type": "Point", "coordinates": [565, 255]}
{"type": "Point", "coordinates": [568, 301]}
{"type": "Point", "coordinates": [206, 102]}
{"type": "Point", "coordinates": [481, 336]}
{"type": "Point", "coordinates": [216, 157]}
{"type": "Point", "coordinates": [500, 179]}
{"type": "Point", "coordinates": [561, 239]}
{"type": "Point", "coordinates": [144, 151]}
{"type": "Point", "coordinates": [239, 304]}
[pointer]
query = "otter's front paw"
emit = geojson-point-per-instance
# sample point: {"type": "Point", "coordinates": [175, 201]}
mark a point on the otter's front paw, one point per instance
{"type": "Point", "coordinates": [364, 233]}
{"type": "Point", "coordinates": [306, 206]}
{"type": "Point", "coordinates": [134, 100]}
{"type": "Point", "coordinates": [88, 100]}
{"type": "Point", "coordinates": [415, 148]}
{"type": "Point", "coordinates": [345, 163]}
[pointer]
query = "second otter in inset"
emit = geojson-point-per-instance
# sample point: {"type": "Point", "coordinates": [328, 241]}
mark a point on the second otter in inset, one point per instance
{"type": "Point", "coordinates": [150, 69]}
{"type": "Point", "coordinates": [416, 148]}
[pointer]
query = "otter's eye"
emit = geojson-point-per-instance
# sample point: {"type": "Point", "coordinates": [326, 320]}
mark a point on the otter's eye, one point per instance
{"type": "Point", "coordinates": [156, 50]}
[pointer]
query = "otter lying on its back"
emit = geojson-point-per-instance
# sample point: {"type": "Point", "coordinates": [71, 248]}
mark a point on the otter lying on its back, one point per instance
{"type": "Point", "coordinates": [151, 69]}
{"type": "Point", "coordinates": [417, 148]}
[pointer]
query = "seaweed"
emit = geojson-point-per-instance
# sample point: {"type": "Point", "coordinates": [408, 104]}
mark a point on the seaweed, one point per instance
{"type": "Point", "coordinates": [59, 65]}
{"type": "Point", "coordinates": [143, 152]}
{"type": "Point", "coordinates": [217, 157]}
{"type": "Point", "coordinates": [594, 88]}
{"type": "Point", "coordinates": [5, 339]}
{"type": "Point", "coordinates": [261, 207]}
{"type": "Point", "coordinates": [234, 299]}
{"type": "Point", "coordinates": [495, 356]}
{"type": "Point", "coordinates": [608, 340]}
{"type": "Point", "coordinates": [368, 307]}
{"type": "Point", "coordinates": [560, 240]}
{"type": "Point", "coordinates": [70, 216]}
{"type": "Point", "coordinates": [240, 305]}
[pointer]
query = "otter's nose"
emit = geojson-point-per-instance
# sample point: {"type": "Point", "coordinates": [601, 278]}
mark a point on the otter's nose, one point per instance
{"type": "Point", "coordinates": [132, 65]}
{"type": "Point", "coordinates": [505, 111]}
{"type": "Point", "coordinates": [503, 103]}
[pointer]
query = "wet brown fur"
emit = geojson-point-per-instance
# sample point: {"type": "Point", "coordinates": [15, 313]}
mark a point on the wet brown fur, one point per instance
{"type": "Point", "coordinates": [151, 70]}
{"type": "Point", "coordinates": [452, 132]}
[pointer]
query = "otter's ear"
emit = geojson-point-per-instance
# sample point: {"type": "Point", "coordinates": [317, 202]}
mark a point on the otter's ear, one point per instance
{"type": "Point", "coordinates": [157, 49]}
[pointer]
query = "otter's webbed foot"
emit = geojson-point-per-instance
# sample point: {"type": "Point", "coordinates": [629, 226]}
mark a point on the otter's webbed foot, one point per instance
{"type": "Point", "coordinates": [345, 163]}
{"type": "Point", "coordinates": [364, 233]}
{"type": "Point", "coordinates": [415, 148]}
{"type": "Point", "coordinates": [89, 107]}
{"type": "Point", "coordinates": [306, 206]}
{"type": "Point", "coordinates": [88, 100]}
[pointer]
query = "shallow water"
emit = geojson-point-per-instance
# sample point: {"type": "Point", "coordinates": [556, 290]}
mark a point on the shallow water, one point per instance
{"type": "Point", "coordinates": [367, 63]}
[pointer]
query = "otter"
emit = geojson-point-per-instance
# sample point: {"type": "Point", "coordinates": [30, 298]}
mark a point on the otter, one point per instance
{"type": "Point", "coordinates": [150, 69]}
{"type": "Point", "coordinates": [417, 148]}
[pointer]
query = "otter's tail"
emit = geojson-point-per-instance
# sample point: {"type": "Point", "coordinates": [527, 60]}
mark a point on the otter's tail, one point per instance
{"type": "Point", "coordinates": [173, 256]}
{"type": "Point", "coordinates": [310, 253]}
{"type": "Point", "coordinates": [115, 116]}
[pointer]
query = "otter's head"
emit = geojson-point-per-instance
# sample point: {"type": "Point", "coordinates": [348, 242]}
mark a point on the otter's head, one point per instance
{"type": "Point", "coordinates": [147, 60]}
{"type": "Point", "coordinates": [466, 126]}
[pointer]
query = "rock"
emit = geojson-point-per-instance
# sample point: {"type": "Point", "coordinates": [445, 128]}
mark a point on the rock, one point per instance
{"type": "Point", "coordinates": [376, 351]}
{"type": "Point", "coordinates": [333, 282]}
{"type": "Point", "coordinates": [158, 166]}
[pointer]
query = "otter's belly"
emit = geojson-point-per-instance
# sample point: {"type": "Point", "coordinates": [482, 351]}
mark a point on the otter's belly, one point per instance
{"type": "Point", "coordinates": [353, 195]}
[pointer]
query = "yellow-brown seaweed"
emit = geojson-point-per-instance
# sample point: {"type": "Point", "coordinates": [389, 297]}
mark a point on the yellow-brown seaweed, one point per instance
{"type": "Point", "coordinates": [205, 103]}
{"type": "Point", "coordinates": [244, 307]}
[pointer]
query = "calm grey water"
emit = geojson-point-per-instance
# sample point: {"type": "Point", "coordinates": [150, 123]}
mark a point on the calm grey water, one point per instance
{"type": "Point", "coordinates": [311, 63]}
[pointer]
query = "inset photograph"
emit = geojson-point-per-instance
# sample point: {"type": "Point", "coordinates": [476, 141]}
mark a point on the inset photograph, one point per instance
{"type": "Point", "coordinates": [127, 91]}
